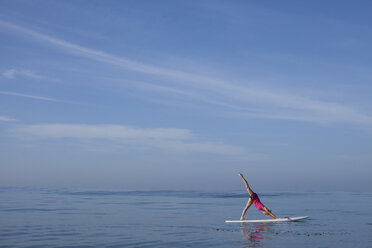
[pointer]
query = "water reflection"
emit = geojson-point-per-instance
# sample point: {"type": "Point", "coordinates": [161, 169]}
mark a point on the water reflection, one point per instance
{"type": "Point", "coordinates": [256, 234]}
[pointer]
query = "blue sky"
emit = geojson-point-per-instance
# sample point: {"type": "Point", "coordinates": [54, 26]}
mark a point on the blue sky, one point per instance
{"type": "Point", "coordinates": [183, 94]}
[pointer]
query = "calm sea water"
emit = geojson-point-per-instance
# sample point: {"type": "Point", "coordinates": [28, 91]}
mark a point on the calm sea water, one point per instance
{"type": "Point", "coordinates": [88, 218]}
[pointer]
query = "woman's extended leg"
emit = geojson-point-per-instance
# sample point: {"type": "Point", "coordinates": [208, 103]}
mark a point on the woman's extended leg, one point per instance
{"type": "Point", "coordinates": [249, 203]}
{"type": "Point", "coordinates": [250, 191]}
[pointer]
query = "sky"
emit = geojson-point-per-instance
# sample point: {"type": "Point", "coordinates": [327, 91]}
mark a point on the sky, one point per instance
{"type": "Point", "coordinates": [184, 94]}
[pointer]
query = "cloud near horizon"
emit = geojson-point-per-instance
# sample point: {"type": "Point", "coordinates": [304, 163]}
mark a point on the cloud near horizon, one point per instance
{"type": "Point", "coordinates": [6, 118]}
{"type": "Point", "coordinates": [165, 139]}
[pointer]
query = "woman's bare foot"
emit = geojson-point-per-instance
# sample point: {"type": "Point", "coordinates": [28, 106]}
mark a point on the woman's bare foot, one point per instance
{"type": "Point", "coordinates": [242, 218]}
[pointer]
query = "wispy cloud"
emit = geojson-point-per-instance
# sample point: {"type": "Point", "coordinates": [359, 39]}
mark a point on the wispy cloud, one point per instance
{"type": "Point", "coordinates": [83, 51]}
{"type": "Point", "coordinates": [13, 73]}
{"type": "Point", "coordinates": [108, 132]}
{"type": "Point", "coordinates": [166, 139]}
{"type": "Point", "coordinates": [6, 118]}
{"type": "Point", "coordinates": [29, 96]}
{"type": "Point", "coordinates": [267, 103]}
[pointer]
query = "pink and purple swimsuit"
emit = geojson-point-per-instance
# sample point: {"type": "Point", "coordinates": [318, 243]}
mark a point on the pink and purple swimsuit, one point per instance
{"type": "Point", "coordinates": [256, 201]}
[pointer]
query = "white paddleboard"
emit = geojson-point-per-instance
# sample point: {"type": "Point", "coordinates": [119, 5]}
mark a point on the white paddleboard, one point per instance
{"type": "Point", "coordinates": [268, 220]}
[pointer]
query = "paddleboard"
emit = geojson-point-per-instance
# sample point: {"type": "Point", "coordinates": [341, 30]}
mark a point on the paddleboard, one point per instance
{"type": "Point", "coordinates": [268, 220]}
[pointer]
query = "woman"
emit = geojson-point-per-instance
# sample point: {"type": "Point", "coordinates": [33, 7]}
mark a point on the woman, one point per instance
{"type": "Point", "coordinates": [253, 198]}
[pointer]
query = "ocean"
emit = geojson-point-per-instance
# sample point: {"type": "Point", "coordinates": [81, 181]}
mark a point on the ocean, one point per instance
{"type": "Point", "coordinates": [50, 217]}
